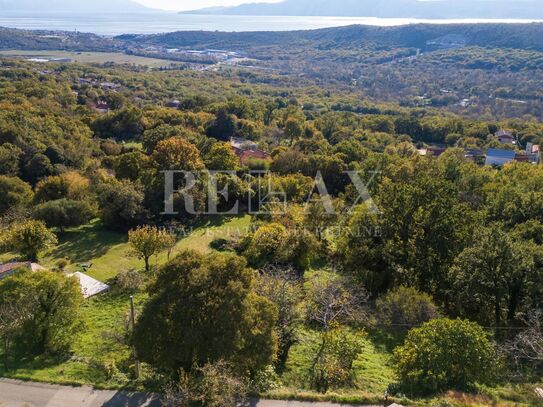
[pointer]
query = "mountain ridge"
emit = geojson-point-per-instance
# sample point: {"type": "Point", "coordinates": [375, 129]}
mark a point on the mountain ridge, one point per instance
{"type": "Point", "coordinates": [513, 36]}
{"type": "Point", "coordinates": [438, 9]}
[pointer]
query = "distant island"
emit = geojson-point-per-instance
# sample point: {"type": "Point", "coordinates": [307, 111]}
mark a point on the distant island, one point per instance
{"type": "Point", "coordinates": [438, 9]}
{"type": "Point", "coordinates": [36, 7]}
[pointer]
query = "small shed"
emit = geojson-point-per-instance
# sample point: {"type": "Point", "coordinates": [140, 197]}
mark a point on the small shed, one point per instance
{"type": "Point", "coordinates": [90, 286]}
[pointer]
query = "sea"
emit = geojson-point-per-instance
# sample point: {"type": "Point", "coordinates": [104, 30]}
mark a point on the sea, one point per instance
{"type": "Point", "coordinates": [155, 23]}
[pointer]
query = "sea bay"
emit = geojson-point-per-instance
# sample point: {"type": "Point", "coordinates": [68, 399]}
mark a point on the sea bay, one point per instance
{"type": "Point", "coordinates": [160, 22]}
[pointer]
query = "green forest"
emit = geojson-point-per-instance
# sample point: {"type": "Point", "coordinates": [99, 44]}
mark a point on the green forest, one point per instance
{"type": "Point", "coordinates": [389, 263]}
{"type": "Point", "coordinates": [489, 71]}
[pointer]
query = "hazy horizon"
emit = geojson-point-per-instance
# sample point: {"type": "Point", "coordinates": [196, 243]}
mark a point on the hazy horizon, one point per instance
{"type": "Point", "coordinates": [186, 5]}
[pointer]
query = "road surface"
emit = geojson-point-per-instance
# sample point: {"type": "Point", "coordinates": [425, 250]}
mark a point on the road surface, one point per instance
{"type": "Point", "coordinates": [21, 394]}
{"type": "Point", "coordinates": [14, 393]}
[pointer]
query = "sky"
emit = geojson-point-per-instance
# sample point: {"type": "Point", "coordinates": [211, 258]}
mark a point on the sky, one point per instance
{"type": "Point", "coordinates": [180, 5]}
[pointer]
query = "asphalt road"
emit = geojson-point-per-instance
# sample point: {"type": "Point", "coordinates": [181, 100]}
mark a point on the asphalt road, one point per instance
{"type": "Point", "coordinates": [14, 393]}
{"type": "Point", "coordinates": [21, 394]}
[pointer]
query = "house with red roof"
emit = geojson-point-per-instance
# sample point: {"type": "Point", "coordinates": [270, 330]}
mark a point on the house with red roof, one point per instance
{"type": "Point", "coordinates": [247, 150]}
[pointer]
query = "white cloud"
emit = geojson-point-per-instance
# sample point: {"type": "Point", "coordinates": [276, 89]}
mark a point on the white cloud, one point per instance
{"type": "Point", "coordinates": [179, 5]}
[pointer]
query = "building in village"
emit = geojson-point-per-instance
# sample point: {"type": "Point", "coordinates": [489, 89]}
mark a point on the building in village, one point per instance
{"type": "Point", "coordinates": [498, 158]}
{"type": "Point", "coordinates": [248, 150]}
{"type": "Point", "coordinates": [505, 137]}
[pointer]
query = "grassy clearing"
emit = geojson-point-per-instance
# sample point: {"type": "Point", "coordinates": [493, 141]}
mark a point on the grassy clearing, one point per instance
{"type": "Point", "coordinates": [373, 373]}
{"type": "Point", "coordinates": [201, 236]}
{"type": "Point", "coordinates": [109, 252]}
{"type": "Point", "coordinates": [87, 57]}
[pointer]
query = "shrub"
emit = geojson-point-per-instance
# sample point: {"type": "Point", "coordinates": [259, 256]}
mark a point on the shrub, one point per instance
{"type": "Point", "coordinates": [273, 243]}
{"type": "Point", "coordinates": [333, 365]}
{"type": "Point", "coordinates": [213, 385]}
{"type": "Point", "coordinates": [445, 354]}
{"type": "Point", "coordinates": [406, 307]}
{"type": "Point", "coordinates": [219, 244]}
{"type": "Point", "coordinates": [219, 386]}
{"type": "Point", "coordinates": [14, 193]}
{"type": "Point", "coordinates": [265, 380]}
{"type": "Point", "coordinates": [64, 213]}
{"type": "Point", "coordinates": [266, 243]}
{"type": "Point", "coordinates": [54, 319]}
{"type": "Point", "coordinates": [130, 281]}
{"type": "Point", "coordinates": [62, 264]}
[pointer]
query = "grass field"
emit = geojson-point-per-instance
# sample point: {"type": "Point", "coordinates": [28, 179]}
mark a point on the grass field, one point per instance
{"type": "Point", "coordinates": [373, 373]}
{"type": "Point", "coordinates": [87, 57]}
{"type": "Point", "coordinates": [108, 252]}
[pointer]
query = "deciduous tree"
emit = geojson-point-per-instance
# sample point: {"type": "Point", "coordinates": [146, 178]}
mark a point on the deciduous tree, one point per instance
{"type": "Point", "coordinates": [64, 213]}
{"type": "Point", "coordinates": [55, 301]}
{"type": "Point", "coordinates": [203, 309]}
{"type": "Point", "coordinates": [446, 354]}
{"type": "Point", "coordinates": [147, 241]}
{"type": "Point", "coordinates": [29, 239]}
{"type": "Point", "coordinates": [14, 193]}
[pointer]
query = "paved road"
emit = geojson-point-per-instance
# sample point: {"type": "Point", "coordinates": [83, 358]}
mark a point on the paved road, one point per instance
{"type": "Point", "coordinates": [21, 394]}
{"type": "Point", "coordinates": [14, 393]}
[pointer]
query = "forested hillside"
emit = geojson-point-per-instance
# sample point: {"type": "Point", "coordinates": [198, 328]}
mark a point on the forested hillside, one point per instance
{"type": "Point", "coordinates": [523, 36]}
{"type": "Point", "coordinates": [495, 68]}
{"type": "Point", "coordinates": [46, 40]}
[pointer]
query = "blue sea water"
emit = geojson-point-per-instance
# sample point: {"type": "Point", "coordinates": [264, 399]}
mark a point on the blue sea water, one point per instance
{"type": "Point", "coordinates": [152, 23]}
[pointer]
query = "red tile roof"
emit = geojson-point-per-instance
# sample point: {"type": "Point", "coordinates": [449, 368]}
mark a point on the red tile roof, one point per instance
{"type": "Point", "coordinates": [252, 155]}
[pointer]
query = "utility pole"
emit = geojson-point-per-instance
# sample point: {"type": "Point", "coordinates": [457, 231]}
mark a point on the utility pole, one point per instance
{"type": "Point", "coordinates": [133, 323]}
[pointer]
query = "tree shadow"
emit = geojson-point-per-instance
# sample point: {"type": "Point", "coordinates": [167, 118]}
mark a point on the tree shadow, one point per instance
{"type": "Point", "coordinates": [386, 339]}
{"type": "Point", "coordinates": [131, 399]}
{"type": "Point", "coordinates": [86, 243]}
{"type": "Point", "coordinates": [18, 360]}
{"type": "Point", "coordinates": [252, 402]}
